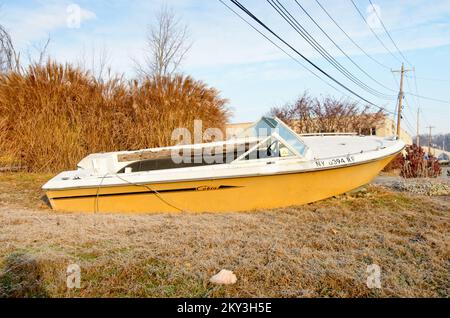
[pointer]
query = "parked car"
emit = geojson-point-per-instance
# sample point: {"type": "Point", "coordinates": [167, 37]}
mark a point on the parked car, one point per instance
{"type": "Point", "coordinates": [443, 159]}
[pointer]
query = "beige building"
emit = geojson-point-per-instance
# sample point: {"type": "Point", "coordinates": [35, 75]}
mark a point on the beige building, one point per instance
{"type": "Point", "coordinates": [386, 129]}
{"type": "Point", "coordinates": [389, 128]}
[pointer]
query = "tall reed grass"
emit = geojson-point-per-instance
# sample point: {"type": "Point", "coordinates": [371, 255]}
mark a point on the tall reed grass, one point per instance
{"type": "Point", "coordinates": [53, 115]}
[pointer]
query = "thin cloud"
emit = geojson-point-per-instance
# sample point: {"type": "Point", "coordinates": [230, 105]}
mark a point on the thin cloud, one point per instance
{"type": "Point", "coordinates": [33, 22]}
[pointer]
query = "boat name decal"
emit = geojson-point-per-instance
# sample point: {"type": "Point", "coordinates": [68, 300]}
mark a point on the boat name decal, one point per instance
{"type": "Point", "coordinates": [335, 161]}
{"type": "Point", "coordinates": [208, 188]}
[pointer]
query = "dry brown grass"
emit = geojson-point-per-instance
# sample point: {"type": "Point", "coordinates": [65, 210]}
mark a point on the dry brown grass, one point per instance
{"type": "Point", "coordinates": [52, 116]}
{"type": "Point", "coordinates": [316, 250]}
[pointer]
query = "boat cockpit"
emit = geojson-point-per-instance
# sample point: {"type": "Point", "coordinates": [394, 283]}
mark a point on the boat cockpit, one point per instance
{"type": "Point", "coordinates": [267, 139]}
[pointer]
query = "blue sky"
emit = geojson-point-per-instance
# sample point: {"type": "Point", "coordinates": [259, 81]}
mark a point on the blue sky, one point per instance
{"type": "Point", "coordinates": [248, 70]}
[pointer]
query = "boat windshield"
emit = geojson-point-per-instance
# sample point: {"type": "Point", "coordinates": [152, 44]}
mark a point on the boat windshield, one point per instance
{"type": "Point", "coordinates": [269, 148]}
{"type": "Point", "coordinates": [268, 126]}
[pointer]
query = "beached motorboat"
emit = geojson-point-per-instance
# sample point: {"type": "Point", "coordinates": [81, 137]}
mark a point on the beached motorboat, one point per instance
{"type": "Point", "coordinates": [267, 166]}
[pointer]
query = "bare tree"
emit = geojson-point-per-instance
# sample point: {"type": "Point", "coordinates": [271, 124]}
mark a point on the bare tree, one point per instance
{"type": "Point", "coordinates": [167, 45]}
{"type": "Point", "coordinates": [312, 115]}
{"type": "Point", "coordinates": [9, 60]}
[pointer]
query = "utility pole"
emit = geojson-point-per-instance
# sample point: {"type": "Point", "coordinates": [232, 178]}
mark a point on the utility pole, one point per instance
{"type": "Point", "coordinates": [429, 140]}
{"type": "Point", "coordinates": [417, 130]}
{"type": "Point", "coordinates": [400, 97]}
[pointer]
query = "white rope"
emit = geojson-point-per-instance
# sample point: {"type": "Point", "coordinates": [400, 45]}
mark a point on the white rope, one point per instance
{"type": "Point", "coordinates": [158, 195]}
{"type": "Point", "coordinates": [97, 194]}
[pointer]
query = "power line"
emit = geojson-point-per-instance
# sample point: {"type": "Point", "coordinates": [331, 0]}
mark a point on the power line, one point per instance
{"type": "Point", "coordinates": [251, 15]}
{"type": "Point", "coordinates": [401, 95]}
{"type": "Point", "coordinates": [419, 110]}
{"type": "Point", "coordinates": [416, 100]}
{"type": "Point", "coordinates": [388, 34]}
{"type": "Point", "coordinates": [284, 51]}
{"type": "Point", "coordinates": [340, 49]}
{"type": "Point", "coordinates": [408, 125]}
{"type": "Point", "coordinates": [419, 107]}
{"type": "Point", "coordinates": [429, 98]}
{"type": "Point", "coordinates": [425, 119]}
{"type": "Point", "coordinates": [396, 104]}
{"type": "Point", "coordinates": [430, 79]}
{"type": "Point", "coordinates": [408, 106]}
{"type": "Point", "coordinates": [350, 38]}
{"type": "Point", "coordinates": [429, 140]}
{"type": "Point", "coordinates": [290, 19]}
{"type": "Point", "coordinates": [418, 96]}
{"type": "Point", "coordinates": [409, 128]}
{"type": "Point", "coordinates": [292, 57]}
{"type": "Point", "coordinates": [417, 89]}
{"type": "Point", "coordinates": [407, 100]}
{"type": "Point", "coordinates": [373, 32]}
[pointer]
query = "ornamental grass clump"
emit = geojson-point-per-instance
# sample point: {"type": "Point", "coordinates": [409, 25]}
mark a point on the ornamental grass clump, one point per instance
{"type": "Point", "coordinates": [53, 115]}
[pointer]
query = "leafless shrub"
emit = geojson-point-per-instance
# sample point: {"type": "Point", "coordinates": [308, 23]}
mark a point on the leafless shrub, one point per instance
{"type": "Point", "coordinates": [312, 115]}
{"type": "Point", "coordinates": [416, 166]}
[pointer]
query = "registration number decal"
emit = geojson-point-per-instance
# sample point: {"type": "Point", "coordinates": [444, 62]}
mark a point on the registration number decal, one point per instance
{"type": "Point", "coordinates": [335, 161]}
